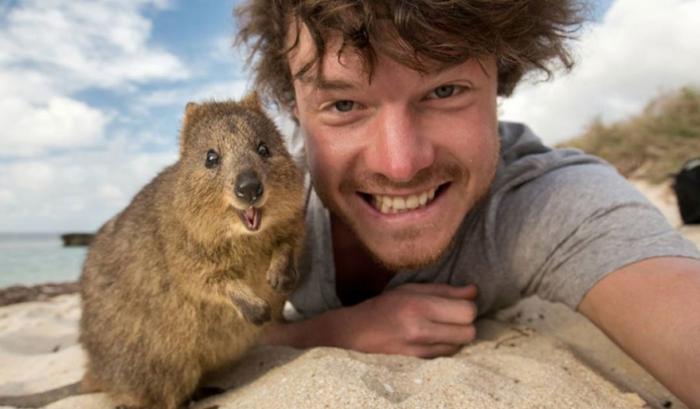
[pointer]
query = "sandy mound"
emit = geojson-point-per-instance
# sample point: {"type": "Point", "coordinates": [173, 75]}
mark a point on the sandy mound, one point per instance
{"type": "Point", "coordinates": [512, 365]}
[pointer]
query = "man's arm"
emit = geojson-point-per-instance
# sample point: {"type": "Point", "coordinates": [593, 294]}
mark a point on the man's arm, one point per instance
{"type": "Point", "coordinates": [424, 320]}
{"type": "Point", "coordinates": [651, 309]}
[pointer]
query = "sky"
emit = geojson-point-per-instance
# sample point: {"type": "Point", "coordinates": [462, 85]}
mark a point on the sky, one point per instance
{"type": "Point", "coordinates": [92, 91]}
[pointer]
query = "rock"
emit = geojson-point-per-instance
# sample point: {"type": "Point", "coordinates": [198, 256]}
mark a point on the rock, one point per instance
{"type": "Point", "coordinates": [77, 239]}
{"type": "Point", "coordinates": [21, 293]}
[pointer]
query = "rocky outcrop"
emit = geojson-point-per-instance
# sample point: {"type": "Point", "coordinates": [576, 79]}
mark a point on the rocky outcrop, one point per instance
{"type": "Point", "coordinates": [77, 239]}
{"type": "Point", "coordinates": [40, 292]}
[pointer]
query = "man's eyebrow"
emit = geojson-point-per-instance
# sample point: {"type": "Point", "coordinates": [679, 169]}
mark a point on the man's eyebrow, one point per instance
{"type": "Point", "coordinates": [328, 84]}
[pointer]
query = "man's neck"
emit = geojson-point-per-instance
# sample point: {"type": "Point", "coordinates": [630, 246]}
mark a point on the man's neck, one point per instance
{"type": "Point", "coordinates": [357, 275]}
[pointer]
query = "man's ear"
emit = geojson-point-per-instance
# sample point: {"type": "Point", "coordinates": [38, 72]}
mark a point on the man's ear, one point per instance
{"type": "Point", "coordinates": [190, 112]}
{"type": "Point", "coordinates": [294, 111]}
{"type": "Point", "coordinates": [252, 101]}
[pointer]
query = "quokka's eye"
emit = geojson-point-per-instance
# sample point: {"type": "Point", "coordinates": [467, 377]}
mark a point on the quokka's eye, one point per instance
{"type": "Point", "coordinates": [263, 150]}
{"type": "Point", "coordinates": [212, 159]}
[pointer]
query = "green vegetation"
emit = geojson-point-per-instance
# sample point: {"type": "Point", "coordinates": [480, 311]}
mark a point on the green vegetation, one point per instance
{"type": "Point", "coordinates": [652, 145]}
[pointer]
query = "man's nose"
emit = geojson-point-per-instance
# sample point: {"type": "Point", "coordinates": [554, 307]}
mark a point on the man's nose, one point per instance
{"type": "Point", "coordinates": [399, 148]}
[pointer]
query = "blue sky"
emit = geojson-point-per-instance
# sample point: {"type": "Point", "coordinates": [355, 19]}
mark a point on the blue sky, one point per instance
{"type": "Point", "coordinates": [92, 92]}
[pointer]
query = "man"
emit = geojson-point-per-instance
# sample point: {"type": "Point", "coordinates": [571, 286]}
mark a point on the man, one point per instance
{"type": "Point", "coordinates": [425, 209]}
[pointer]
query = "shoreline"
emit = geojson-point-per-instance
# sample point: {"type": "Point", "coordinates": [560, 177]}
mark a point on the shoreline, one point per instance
{"type": "Point", "coordinates": [16, 294]}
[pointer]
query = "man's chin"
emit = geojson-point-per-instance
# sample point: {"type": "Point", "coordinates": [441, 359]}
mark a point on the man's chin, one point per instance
{"type": "Point", "coordinates": [408, 257]}
{"type": "Point", "coordinates": [406, 249]}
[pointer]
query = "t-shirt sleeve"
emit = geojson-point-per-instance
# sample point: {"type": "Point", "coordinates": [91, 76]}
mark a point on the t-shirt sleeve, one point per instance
{"type": "Point", "coordinates": [560, 233]}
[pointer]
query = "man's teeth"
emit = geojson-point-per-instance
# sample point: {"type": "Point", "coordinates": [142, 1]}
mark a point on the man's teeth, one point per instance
{"type": "Point", "coordinates": [398, 204]}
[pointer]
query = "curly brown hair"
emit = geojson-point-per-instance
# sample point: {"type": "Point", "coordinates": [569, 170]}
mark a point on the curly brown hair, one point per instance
{"type": "Point", "coordinates": [425, 35]}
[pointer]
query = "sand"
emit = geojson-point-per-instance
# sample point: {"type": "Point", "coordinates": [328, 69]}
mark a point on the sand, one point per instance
{"type": "Point", "coordinates": [533, 355]}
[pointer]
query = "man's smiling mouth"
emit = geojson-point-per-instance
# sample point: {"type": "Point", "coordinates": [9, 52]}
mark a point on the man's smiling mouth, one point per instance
{"type": "Point", "coordinates": [389, 204]}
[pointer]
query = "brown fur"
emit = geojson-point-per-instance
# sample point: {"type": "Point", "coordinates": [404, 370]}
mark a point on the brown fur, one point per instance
{"type": "Point", "coordinates": [175, 287]}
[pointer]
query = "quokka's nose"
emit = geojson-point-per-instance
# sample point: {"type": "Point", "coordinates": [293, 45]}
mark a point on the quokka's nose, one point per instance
{"type": "Point", "coordinates": [248, 187]}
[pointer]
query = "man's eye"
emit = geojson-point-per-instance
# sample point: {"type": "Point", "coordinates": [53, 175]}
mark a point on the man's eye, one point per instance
{"type": "Point", "coordinates": [344, 106]}
{"type": "Point", "coordinates": [444, 91]}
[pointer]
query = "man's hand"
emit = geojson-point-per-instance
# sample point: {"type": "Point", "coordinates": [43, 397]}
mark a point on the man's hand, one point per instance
{"type": "Point", "coordinates": [422, 320]}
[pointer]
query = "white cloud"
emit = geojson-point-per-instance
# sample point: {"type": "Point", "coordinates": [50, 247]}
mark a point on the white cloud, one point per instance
{"type": "Point", "coordinates": [111, 193]}
{"type": "Point", "coordinates": [60, 123]}
{"type": "Point", "coordinates": [180, 97]}
{"type": "Point", "coordinates": [26, 85]}
{"type": "Point", "coordinates": [640, 49]}
{"type": "Point", "coordinates": [34, 176]}
{"type": "Point", "coordinates": [74, 192]}
{"type": "Point", "coordinates": [49, 51]}
{"type": "Point", "coordinates": [222, 50]}
{"type": "Point", "coordinates": [7, 198]}
{"type": "Point", "coordinates": [84, 43]}
{"type": "Point", "coordinates": [223, 90]}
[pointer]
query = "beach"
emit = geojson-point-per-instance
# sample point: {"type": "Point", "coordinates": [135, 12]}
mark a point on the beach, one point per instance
{"type": "Point", "coordinates": [533, 355]}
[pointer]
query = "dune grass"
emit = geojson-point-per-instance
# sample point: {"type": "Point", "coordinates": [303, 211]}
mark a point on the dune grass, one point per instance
{"type": "Point", "coordinates": [652, 145]}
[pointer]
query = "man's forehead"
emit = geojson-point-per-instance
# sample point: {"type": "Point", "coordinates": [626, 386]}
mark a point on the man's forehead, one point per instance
{"type": "Point", "coordinates": [332, 71]}
{"type": "Point", "coordinates": [334, 77]}
{"type": "Point", "coordinates": [348, 77]}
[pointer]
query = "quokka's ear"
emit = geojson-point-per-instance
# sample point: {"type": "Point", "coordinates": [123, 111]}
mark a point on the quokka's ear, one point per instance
{"type": "Point", "coordinates": [252, 101]}
{"type": "Point", "coordinates": [190, 108]}
{"type": "Point", "coordinates": [190, 113]}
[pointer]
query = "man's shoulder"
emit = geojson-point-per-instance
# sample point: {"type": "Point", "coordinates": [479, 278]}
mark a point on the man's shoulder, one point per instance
{"type": "Point", "coordinates": [524, 157]}
{"type": "Point", "coordinates": [536, 184]}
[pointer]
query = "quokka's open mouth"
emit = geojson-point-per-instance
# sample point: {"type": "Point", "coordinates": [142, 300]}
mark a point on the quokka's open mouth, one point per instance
{"type": "Point", "coordinates": [251, 218]}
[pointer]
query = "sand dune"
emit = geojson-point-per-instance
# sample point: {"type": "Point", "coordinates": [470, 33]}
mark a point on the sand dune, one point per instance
{"type": "Point", "coordinates": [514, 364]}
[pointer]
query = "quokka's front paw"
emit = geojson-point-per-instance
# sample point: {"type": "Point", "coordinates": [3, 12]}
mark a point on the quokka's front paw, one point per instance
{"type": "Point", "coordinates": [256, 312]}
{"type": "Point", "coordinates": [283, 281]}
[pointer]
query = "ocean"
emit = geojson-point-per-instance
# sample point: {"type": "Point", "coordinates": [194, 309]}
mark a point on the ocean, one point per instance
{"type": "Point", "coordinates": [33, 258]}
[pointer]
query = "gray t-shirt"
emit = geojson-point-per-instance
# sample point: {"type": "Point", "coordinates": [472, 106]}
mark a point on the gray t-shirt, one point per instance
{"type": "Point", "coordinates": [556, 222]}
